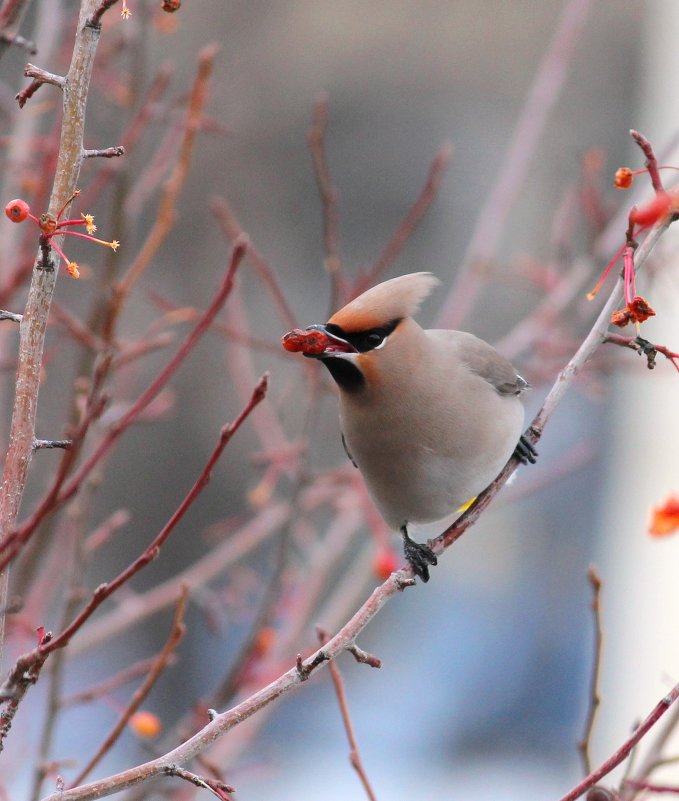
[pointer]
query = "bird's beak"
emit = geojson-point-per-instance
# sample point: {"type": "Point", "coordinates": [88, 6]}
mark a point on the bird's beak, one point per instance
{"type": "Point", "coordinates": [334, 345]}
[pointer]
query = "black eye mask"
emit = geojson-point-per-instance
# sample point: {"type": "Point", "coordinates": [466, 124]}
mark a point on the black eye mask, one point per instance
{"type": "Point", "coordinates": [364, 341]}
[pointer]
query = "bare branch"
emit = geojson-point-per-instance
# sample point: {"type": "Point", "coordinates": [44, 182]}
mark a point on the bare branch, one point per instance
{"type": "Point", "coordinates": [43, 282]}
{"type": "Point", "coordinates": [594, 696]}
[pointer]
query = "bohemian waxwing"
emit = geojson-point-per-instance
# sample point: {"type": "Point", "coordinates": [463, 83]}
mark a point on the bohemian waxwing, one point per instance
{"type": "Point", "coordinates": [429, 417]}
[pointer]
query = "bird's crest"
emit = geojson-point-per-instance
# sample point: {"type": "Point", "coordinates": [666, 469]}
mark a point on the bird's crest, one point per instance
{"type": "Point", "coordinates": [391, 300]}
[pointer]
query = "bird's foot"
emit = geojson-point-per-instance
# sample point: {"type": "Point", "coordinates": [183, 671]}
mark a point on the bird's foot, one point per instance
{"type": "Point", "coordinates": [525, 451]}
{"type": "Point", "coordinates": [419, 556]}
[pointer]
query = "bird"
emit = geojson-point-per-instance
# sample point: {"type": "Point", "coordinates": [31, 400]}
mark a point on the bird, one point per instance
{"type": "Point", "coordinates": [429, 417]}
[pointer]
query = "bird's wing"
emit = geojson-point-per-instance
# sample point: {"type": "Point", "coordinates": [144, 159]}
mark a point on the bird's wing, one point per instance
{"type": "Point", "coordinates": [482, 359]}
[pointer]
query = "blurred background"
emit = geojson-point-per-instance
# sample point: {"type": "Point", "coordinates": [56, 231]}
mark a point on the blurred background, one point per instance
{"type": "Point", "coordinates": [485, 680]}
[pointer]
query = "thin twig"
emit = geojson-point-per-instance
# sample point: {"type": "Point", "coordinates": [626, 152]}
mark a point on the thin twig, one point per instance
{"type": "Point", "coordinates": [354, 753]}
{"type": "Point", "coordinates": [105, 687]}
{"type": "Point", "coordinates": [409, 223]}
{"type": "Point", "coordinates": [542, 96]}
{"type": "Point", "coordinates": [232, 230]}
{"type": "Point", "coordinates": [328, 193]}
{"type": "Point", "coordinates": [651, 161]}
{"type": "Point", "coordinates": [594, 695]}
{"type": "Point", "coordinates": [105, 153]}
{"type": "Point", "coordinates": [60, 493]}
{"type": "Point", "coordinates": [40, 444]}
{"type": "Point", "coordinates": [40, 77]}
{"type": "Point", "coordinates": [19, 41]}
{"type": "Point", "coordinates": [13, 684]}
{"type": "Point", "coordinates": [654, 757]}
{"type": "Point", "coordinates": [134, 609]}
{"type": "Point", "coordinates": [625, 749]}
{"type": "Point", "coordinates": [165, 217]}
{"type": "Point", "coordinates": [135, 129]}
{"type": "Point", "coordinates": [215, 786]}
{"type": "Point", "coordinates": [160, 663]}
{"type": "Point", "coordinates": [95, 20]}
{"type": "Point", "coordinates": [9, 13]}
{"type": "Point", "coordinates": [645, 348]}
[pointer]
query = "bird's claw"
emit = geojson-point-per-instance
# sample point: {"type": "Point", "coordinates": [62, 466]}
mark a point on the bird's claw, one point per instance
{"type": "Point", "coordinates": [525, 451]}
{"type": "Point", "coordinates": [419, 556]}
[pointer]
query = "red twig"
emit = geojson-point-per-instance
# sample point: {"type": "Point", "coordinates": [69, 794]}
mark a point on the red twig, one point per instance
{"type": "Point", "coordinates": [136, 608]}
{"type": "Point", "coordinates": [232, 230]}
{"type": "Point", "coordinates": [652, 788]}
{"type": "Point", "coordinates": [159, 665]}
{"type": "Point", "coordinates": [354, 753]}
{"type": "Point", "coordinates": [40, 77]}
{"type": "Point", "coordinates": [60, 494]}
{"type": "Point", "coordinates": [146, 557]}
{"type": "Point", "coordinates": [651, 161]}
{"type": "Point", "coordinates": [95, 20]}
{"type": "Point", "coordinates": [625, 749]}
{"type": "Point", "coordinates": [645, 348]}
{"type": "Point", "coordinates": [409, 223]}
{"type": "Point", "coordinates": [165, 217]}
{"type": "Point", "coordinates": [134, 130]}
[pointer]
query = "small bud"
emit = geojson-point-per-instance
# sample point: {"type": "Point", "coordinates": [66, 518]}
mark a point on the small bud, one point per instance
{"type": "Point", "coordinates": [17, 210]}
{"type": "Point", "coordinates": [72, 269]}
{"type": "Point", "coordinates": [623, 178]}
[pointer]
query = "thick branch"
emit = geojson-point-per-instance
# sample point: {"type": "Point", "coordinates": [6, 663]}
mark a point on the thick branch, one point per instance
{"type": "Point", "coordinates": [34, 323]}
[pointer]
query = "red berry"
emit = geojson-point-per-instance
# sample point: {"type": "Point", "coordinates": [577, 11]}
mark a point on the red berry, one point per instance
{"type": "Point", "coordinates": [623, 178]}
{"type": "Point", "coordinates": [145, 724]}
{"type": "Point", "coordinates": [384, 564]}
{"type": "Point", "coordinates": [313, 342]}
{"type": "Point", "coordinates": [17, 210]}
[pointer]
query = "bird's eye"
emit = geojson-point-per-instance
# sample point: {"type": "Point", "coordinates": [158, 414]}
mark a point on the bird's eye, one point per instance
{"type": "Point", "coordinates": [374, 338]}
